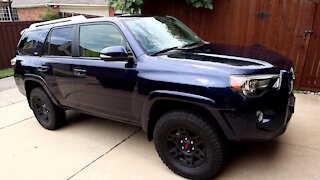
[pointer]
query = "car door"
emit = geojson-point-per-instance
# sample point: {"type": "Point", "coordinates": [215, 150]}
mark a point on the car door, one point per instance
{"type": "Point", "coordinates": [105, 87]}
{"type": "Point", "coordinates": [55, 65]}
{"type": "Point", "coordinates": [28, 50]}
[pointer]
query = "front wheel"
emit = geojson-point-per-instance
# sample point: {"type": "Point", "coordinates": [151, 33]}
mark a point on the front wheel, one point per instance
{"type": "Point", "coordinates": [189, 145]}
{"type": "Point", "coordinates": [48, 114]}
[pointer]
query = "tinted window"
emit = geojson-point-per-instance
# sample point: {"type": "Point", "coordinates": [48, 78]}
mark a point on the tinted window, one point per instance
{"type": "Point", "coordinates": [94, 38]}
{"type": "Point", "coordinates": [59, 42]}
{"type": "Point", "coordinates": [31, 42]}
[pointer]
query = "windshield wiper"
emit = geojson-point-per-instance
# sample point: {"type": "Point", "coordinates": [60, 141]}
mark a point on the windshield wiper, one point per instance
{"type": "Point", "coordinates": [176, 47]}
{"type": "Point", "coordinates": [192, 44]}
{"type": "Point", "coordinates": [163, 51]}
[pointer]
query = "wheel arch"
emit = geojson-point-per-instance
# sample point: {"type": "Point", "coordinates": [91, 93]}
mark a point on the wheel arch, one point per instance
{"type": "Point", "coordinates": [160, 102]}
{"type": "Point", "coordinates": [32, 81]}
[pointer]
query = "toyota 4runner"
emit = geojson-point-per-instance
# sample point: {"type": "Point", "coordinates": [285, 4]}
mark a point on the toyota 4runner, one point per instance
{"type": "Point", "coordinates": [190, 96]}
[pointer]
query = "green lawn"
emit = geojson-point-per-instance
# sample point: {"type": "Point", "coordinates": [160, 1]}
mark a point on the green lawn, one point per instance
{"type": "Point", "coordinates": [6, 73]}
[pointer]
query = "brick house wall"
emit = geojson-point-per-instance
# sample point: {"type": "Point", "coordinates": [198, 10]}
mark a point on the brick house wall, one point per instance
{"type": "Point", "coordinates": [32, 14]}
{"type": "Point", "coordinates": [111, 12]}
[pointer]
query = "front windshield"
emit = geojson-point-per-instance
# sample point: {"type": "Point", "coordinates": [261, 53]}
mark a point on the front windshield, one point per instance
{"type": "Point", "coordinates": [156, 34]}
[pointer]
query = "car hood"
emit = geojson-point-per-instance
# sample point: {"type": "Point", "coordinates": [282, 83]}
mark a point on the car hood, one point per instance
{"type": "Point", "coordinates": [233, 55]}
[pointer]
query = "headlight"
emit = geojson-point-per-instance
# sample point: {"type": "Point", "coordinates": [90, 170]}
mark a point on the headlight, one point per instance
{"type": "Point", "coordinates": [254, 85]}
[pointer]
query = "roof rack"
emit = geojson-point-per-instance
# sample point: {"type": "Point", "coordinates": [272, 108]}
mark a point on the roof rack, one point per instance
{"type": "Point", "coordinates": [69, 19]}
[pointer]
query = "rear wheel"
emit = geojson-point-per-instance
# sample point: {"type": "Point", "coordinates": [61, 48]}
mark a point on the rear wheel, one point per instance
{"type": "Point", "coordinates": [189, 145]}
{"type": "Point", "coordinates": [48, 114]}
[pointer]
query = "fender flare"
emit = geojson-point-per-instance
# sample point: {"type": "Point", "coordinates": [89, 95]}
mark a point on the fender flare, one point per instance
{"type": "Point", "coordinates": [198, 100]}
{"type": "Point", "coordinates": [42, 82]}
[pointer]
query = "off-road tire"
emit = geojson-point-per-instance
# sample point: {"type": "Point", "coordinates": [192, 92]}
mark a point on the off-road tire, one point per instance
{"type": "Point", "coordinates": [199, 125]}
{"type": "Point", "coordinates": [46, 112]}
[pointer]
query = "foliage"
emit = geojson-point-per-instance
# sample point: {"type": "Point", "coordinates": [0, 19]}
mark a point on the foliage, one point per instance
{"type": "Point", "coordinates": [6, 73]}
{"type": "Point", "coordinates": [50, 14]}
{"type": "Point", "coordinates": [207, 4]}
{"type": "Point", "coordinates": [134, 6]}
{"type": "Point", "coordinates": [127, 6]}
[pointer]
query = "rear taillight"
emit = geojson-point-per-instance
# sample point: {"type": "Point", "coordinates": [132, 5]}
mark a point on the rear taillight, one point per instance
{"type": "Point", "coordinates": [13, 61]}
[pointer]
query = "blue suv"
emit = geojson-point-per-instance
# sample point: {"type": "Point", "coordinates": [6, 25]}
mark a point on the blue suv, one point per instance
{"type": "Point", "coordinates": [189, 95]}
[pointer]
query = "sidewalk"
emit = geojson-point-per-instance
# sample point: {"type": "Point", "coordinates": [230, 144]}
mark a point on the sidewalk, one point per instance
{"type": "Point", "coordinates": [7, 83]}
{"type": "Point", "coordinates": [9, 94]}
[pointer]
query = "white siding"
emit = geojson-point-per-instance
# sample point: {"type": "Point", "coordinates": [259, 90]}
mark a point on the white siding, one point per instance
{"type": "Point", "coordinates": [97, 11]}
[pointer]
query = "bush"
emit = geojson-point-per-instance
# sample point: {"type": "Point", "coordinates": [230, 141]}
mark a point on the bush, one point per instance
{"type": "Point", "coordinates": [50, 14]}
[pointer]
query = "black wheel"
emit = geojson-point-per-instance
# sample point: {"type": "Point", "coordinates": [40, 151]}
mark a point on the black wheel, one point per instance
{"type": "Point", "coordinates": [189, 145]}
{"type": "Point", "coordinates": [48, 114]}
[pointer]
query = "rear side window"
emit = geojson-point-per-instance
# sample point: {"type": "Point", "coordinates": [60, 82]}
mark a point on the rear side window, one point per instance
{"type": "Point", "coordinates": [31, 42]}
{"type": "Point", "coordinates": [94, 38]}
{"type": "Point", "coordinates": [59, 42]}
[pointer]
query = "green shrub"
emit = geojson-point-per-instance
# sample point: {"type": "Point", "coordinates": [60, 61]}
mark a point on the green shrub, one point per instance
{"type": "Point", "coordinates": [207, 4]}
{"type": "Point", "coordinates": [50, 14]}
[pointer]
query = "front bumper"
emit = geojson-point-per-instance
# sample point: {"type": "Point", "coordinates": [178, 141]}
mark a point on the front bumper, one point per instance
{"type": "Point", "coordinates": [260, 120]}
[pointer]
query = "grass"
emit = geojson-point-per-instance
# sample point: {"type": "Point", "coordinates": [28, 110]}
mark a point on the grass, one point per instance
{"type": "Point", "coordinates": [6, 73]}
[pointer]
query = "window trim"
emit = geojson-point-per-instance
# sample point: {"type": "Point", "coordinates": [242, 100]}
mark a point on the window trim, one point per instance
{"type": "Point", "coordinates": [72, 44]}
{"type": "Point", "coordinates": [77, 39]}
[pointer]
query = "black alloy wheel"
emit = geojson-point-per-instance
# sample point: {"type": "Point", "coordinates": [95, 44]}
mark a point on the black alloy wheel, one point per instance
{"type": "Point", "coordinates": [189, 144]}
{"type": "Point", "coordinates": [41, 110]}
{"type": "Point", "coordinates": [186, 147]}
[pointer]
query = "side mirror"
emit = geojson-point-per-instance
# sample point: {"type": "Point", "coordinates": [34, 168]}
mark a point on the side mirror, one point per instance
{"type": "Point", "coordinates": [114, 52]}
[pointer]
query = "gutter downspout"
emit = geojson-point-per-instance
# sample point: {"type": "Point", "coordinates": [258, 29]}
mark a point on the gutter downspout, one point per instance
{"type": "Point", "coordinates": [10, 11]}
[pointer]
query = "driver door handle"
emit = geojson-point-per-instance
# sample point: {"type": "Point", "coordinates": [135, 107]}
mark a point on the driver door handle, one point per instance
{"type": "Point", "coordinates": [79, 72]}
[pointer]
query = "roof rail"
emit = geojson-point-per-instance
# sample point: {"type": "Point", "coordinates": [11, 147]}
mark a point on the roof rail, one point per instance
{"type": "Point", "coordinates": [21, 32]}
{"type": "Point", "coordinates": [69, 19]}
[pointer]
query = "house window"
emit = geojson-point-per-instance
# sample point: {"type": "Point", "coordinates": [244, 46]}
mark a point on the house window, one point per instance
{"type": "Point", "coordinates": [15, 14]}
{"type": "Point", "coordinates": [6, 15]}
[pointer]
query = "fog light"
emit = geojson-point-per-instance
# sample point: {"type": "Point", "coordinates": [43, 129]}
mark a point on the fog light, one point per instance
{"type": "Point", "coordinates": [260, 116]}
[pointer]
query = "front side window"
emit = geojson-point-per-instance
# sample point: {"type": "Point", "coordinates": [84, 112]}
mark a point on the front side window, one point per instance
{"type": "Point", "coordinates": [94, 38]}
{"type": "Point", "coordinates": [59, 42]}
{"type": "Point", "coordinates": [156, 34]}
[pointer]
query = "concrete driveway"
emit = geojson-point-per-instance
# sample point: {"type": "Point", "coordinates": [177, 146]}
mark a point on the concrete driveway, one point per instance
{"type": "Point", "coordinates": [93, 148]}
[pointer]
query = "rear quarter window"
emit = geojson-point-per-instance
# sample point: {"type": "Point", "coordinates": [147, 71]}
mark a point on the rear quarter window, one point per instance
{"type": "Point", "coordinates": [31, 42]}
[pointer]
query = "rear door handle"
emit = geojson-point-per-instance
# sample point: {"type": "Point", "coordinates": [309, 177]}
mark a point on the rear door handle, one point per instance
{"type": "Point", "coordinates": [79, 72]}
{"type": "Point", "coordinates": [43, 68]}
